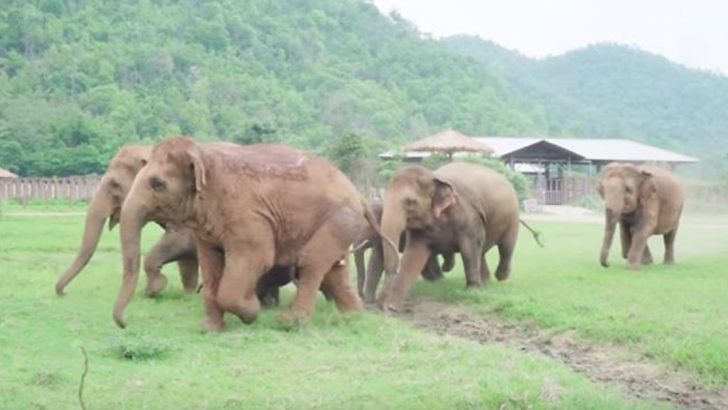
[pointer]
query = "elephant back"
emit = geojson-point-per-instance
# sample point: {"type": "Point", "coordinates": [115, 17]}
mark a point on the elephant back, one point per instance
{"type": "Point", "coordinates": [483, 188]}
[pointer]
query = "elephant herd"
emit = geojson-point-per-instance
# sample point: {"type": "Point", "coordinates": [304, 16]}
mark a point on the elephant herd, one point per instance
{"type": "Point", "coordinates": [254, 218]}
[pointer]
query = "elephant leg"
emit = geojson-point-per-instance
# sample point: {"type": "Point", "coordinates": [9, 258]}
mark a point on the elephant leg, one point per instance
{"type": "Point", "coordinates": [505, 251]}
{"type": "Point", "coordinates": [432, 271]}
{"type": "Point", "coordinates": [647, 256]}
{"type": "Point", "coordinates": [243, 270]}
{"type": "Point", "coordinates": [189, 272]}
{"type": "Point", "coordinates": [375, 267]}
{"type": "Point", "coordinates": [336, 283]}
{"type": "Point", "coordinates": [448, 261]}
{"type": "Point", "coordinates": [269, 297]}
{"type": "Point", "coordinates": [360, 270]}
{"type": "Point", "coordinates": [471, 251]}
{"type": "Point", "coordinates": [304, 303]}
{"type": "Point", "coordinates": [626, 238]}
{"type": "Point", "coordinates": [317, 258]}
{"type": "Point", "coordinates": [212, 263]}
{"type": "Point", "coordinates": [484, 270]}
{"type": "Point", "coordinates": [413, 260]}
{"type": "Point", "coordinates": [669, 240]}
{"type": "Point", "coordinates": [637, 250]}
{"type": "Point", "coordinates": [168, 249]}
{"type": "Point", "coordinates": [268, 287]}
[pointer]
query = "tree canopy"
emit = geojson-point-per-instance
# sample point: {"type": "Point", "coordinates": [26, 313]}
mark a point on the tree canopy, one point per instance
{"type": "Point", "coordinates": [80, 78]}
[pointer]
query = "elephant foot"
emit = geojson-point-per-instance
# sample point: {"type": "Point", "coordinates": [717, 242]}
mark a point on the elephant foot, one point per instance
{"type": "Point", "coordinates": [245, 309]}
{"type": "Point", "coordinates": [474, 285]}
{"type": "Point", "coordinates": [246, 317]}
{"type": "Point", "coordinates": [213, 325]}
{"type": "Point", "coordinates": [192, 288]}
{"type": "Point", "coordinates": [269, 301]}
{"type": "Point", "coordinates": [369, 300]}
{"type": "Point", "coordinates": [190, 291]}
{"type": "Point", "coordinates": [633, 266]}
{"type": "Point", "coordinates": [647, 261]}
{"type": "Point", "coordinates": [156, 285]}
{"type": "Point", "coordinates": [502, 275]}
{"type": "Point", "coordinates": [669, 262]}
{"type": "Point", "coordinates": [294, 317]}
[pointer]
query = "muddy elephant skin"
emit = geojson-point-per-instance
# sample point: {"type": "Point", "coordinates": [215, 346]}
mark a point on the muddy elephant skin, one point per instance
{"type": "Point", "coordinates": [251, 208]}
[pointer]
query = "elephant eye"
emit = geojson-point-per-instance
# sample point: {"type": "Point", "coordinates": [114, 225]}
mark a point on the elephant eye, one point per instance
{"type": "Point", "coordinates": [157, 184]}
{"type": "Point", "coordinates": [628, 189]}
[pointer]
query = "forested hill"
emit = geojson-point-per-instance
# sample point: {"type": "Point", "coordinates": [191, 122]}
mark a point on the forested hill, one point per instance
{"type": "Point", "coordinates": [615, 91]}
{"type": "Point", "coordinates": [80, 78]}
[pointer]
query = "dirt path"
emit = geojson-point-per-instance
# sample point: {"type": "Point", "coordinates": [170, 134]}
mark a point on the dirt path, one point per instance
{"type": "Point", "coordinates": [603, 364]}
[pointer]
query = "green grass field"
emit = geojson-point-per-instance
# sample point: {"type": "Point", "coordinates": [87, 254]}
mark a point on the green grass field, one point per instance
{"type": "Point", "coordinates": [676, 315]}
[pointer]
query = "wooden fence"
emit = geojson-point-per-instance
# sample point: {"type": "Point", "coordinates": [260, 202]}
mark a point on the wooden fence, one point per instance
{"type": "Point", "coordinates": [72, 188]}
{"type": "Point", "coordinates": [558, 191]}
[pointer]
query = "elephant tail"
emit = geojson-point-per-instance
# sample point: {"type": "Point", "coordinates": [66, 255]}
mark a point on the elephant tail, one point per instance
{"type": "Point", "coordinates": [537, 235]}
{"type": "Point", "coordinates": [369, 215]}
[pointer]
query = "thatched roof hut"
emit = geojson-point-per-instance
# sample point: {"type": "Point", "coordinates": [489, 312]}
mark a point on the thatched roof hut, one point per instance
{"type": "Point", "coordinates": [448, 142]}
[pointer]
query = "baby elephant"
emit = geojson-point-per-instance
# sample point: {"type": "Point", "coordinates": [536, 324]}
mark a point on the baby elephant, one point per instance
{"type": "Point", "coordinates": [645, 200]}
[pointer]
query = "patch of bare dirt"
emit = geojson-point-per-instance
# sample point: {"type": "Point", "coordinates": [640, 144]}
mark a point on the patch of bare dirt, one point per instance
{"type": "Point", "coordinates": [601, 363]}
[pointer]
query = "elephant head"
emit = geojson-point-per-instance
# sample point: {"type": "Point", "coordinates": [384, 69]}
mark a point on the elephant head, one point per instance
{"type": "Point", "coordinates": [164, 191]}
{"type": "Point", "coordinates": [624, 189]}
{"type": "Point", "coordinates": [415, 199]}
{"type": "Point", "coordinates": [106, 203]}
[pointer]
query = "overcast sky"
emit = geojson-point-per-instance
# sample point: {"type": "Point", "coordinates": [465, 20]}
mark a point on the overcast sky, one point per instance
{"type": "Point", "coordinates": [691, 32]}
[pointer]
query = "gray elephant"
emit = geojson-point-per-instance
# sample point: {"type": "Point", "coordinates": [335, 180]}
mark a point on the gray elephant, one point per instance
{"type": "Point", "coordinates": [645, 200]}
{"type": "Point", "coordinates": [459, 207]}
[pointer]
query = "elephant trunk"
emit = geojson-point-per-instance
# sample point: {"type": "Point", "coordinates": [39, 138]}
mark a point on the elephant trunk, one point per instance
{"type": "Point", "coordinates": [611, 217]}
{"type": "Point", "coordinates": [393, 224]}
{"type": "Point", "coordinates": [101, 206]}
{"type": "Point", "coordinates": [133, 219]}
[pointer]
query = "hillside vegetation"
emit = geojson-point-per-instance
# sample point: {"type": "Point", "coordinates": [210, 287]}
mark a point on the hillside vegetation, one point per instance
{"type": "Point", "coordinates": [78, 79]}
{"type": "Point", "coordinates": [608, 90]}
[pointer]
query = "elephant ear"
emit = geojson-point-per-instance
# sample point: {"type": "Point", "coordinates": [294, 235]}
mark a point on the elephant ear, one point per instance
{"type": "Point", "coordinates": [444, 197]}
{"type": "Point", "coordinates": [198, 168]}
{"type": "Point", "coordinates": [648, 185]}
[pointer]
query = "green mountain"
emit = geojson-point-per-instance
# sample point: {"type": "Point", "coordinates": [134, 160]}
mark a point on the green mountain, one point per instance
{"type": "Point", "coordinates": [80, 78]}
{"type": "Point", "coordinates": [615, 91]}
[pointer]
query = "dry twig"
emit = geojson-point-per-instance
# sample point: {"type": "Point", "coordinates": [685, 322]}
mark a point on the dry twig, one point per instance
{"type": "Point", "coordinates": [83, 378]}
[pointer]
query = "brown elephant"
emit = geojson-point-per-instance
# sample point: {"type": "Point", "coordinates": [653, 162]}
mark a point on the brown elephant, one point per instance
{"type": "Point", "coordinates": [251, 208]}
{"type": "Point", "coordinates": [645, 200]}
{"type": "Point", "coordinates": [459, 207]}
{"type": "Point", "coordinates": [106, 203]}
{"type": "Point", "coordinates": [174, 246]}
{"type": "Point", "coordinates": [368, 278]}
